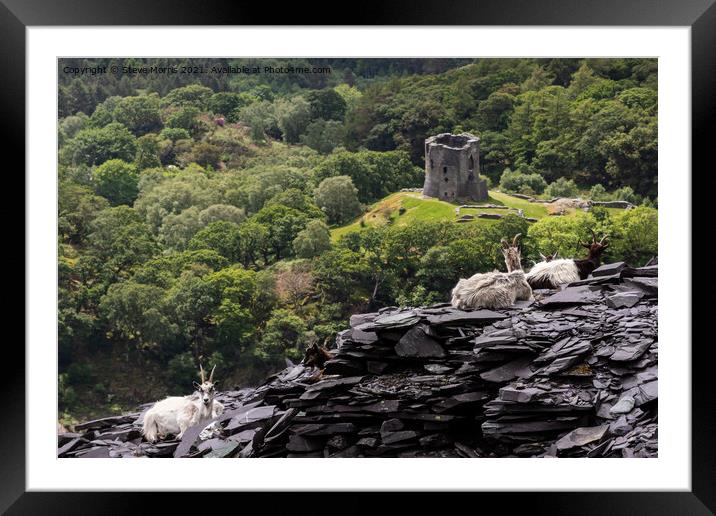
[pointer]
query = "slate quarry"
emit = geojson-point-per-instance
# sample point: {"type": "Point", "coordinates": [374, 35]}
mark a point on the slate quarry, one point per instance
{"type": "Point", "coordinates": [572, 374]}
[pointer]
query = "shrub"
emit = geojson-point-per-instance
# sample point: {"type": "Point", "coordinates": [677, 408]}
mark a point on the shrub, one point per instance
{"type": "Point", "coordinates": [598, 193]}
{"type": "Point", "coordinates": [562, 187]}
{"type": "Point", "coordinates": [626, 193]}
{"type": "Point", "coordinates": [517, 182]}
{"type": "Point", "coordinates": [174, 134]}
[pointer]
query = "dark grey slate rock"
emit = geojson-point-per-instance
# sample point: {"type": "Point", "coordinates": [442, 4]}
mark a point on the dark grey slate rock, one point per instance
{"type": "Point", "coordinates": [395, 437]}
{"type": "Point", "coordinates": [391, 425]}
{"type": "Point", "coordinates": [416, 343]}
{"type": "Point", "coordinates": [630, 351]}
{"type": "Point", "coordinates": [460, 317]}
{"type": "Point", "coordinates": [573, 296]}
{"type": "Point", "coordinates": [609, 269]}
{"type": "Point", "coordinates": [624, 405]}
{"type": "Point", "coordinates": [514, 369]}
{"type": "Point", "coordinates": [624, 299]}
{"type": "Point", "coordinates": [581, 436]}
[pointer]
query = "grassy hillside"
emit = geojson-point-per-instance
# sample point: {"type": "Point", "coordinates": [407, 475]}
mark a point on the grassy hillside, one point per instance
{"type": "Point", "coordinates": [417, 208]}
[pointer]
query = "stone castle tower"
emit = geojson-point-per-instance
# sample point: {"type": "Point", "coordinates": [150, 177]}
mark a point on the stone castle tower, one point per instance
{"type": "Point", "coordinates": [452, 164]}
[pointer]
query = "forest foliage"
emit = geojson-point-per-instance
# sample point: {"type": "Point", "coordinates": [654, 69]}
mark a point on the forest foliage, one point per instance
{"type": "Point", "coordinates": [194, 211]}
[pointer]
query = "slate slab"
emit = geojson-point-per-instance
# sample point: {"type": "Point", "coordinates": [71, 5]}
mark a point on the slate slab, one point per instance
{"type": "Point", "coordinates": [416, 343]}
{"type": "Point", "coordinates": [581, 436]}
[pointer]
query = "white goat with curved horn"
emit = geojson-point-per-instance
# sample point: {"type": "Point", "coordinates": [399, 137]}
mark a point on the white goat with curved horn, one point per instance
{"type": "Point", "coordinates": [173, 415]}
{"type": "Point", "coordinates": [495, 289]}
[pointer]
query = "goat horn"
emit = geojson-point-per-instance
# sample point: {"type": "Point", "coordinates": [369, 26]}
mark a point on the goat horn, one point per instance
{"type": "Point", "coordinates": [544, 258]}
{"type": "Point", "coordinates": [211, 376]}
{"type": "Point", "coordinates": [201, 372]}
{"type": "Point", "coordinates": [514, 240]}
{"type": "Point", "coordinates": [604, 237]}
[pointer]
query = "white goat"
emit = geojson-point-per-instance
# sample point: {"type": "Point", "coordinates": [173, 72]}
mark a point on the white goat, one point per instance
{"type": "Point", "coordinates": [491, 290]}
{"type": "Point", "coordinates": [173, 415]}
{"type": "Point", "coordinates": [494, 289]}
{"type": "Point", "coordinates": [551, 273]}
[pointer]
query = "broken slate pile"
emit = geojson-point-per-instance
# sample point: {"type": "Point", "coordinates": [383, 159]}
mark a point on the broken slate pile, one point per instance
{"type": "Point", "coordinates": [572, 374]}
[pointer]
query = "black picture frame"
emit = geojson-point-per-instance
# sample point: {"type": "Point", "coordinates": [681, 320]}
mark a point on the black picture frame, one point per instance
{"type": "Point", "coordinates": [699, 15]}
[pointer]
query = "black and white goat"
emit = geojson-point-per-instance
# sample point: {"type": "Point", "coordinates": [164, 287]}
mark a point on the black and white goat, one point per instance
{"type": "Point", "coordinates": [173, 415]}
{"type": "Point", "coordinates": [555, 272]}
{"type": "Point", "coordinates": [495, 289]}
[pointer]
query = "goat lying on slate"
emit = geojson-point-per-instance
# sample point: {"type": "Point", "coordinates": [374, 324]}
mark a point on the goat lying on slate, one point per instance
{"type": "Point", "coordinates": [553, 273]}
{"type": "Point", "coordinates": [173, 415]}
{"type": "Point", "coordinates": [495, 289]}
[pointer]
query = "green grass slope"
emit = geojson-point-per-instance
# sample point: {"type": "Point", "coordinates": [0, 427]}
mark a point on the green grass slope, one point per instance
{"type": "Point", "coordinates": [419, 209]}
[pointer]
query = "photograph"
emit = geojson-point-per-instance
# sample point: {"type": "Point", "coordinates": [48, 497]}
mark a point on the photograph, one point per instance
{"type": "Point", "coordinates": [357, 257]}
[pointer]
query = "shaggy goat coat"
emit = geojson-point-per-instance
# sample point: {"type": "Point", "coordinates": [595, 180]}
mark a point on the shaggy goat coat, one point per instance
{"type": "Point", "coordinates": [491, 290]}
{"type": "Point", "coordinates": [173, 415]}
{"type": "Point", "coordinates": [553, 273]}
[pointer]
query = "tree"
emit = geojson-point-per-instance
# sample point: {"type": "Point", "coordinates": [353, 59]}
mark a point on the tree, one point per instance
{"type": "Point", "coordinates": [203, 153]}
{"type": "Point", "coordinates": [147, 152]}
{"type": "Point", "coordinates": [245, 302]}
{"type": "Point", "coordinates": [582, 79]}
{"type": "Point", "coordinates": [224, 212]}
{"type": "Point", "coordinates": [283, 224]}
{"type": "Point", "coordinates": [186, 118]}
{"type": "Point", "coordinates": [117, 181]}
{"type": "Point", "coordinates": [326, 104]}
{"type": "Point", "coordinates": [313, 240]}
{"type": "Point", "coordinates": [139, 114]}
{"type": "Point", "coordinates": [77, 208]}
{"type": "Point", "coordinates": [338, 198]}
{"type": "Point", "coordinates": [178, 228]}
{"type": "Point", "coordinates": [285, 336]}
{"type": "Point", "coordinates": [120, 239]}
{"type": "Point", "coordinates": [75, 97]}
{"type": "Point", "coordinates": [349, 93]}
{"type": "Point", "coordinates": [226, 102]}
{"type": "Point", "coordinates": [261, 117]}
{"type": "Point", "coordinates": [220, 236]}
{"type": "Point", "coordinates": [292, 117]}
{"type": "Point", "coordinates": [192, 300]}
{"type": "Point", "coordinates": [194, 95]}
{"type": "Point", "coordinates": [254, 242]}
{"type": "Point", "coordinates": [374, 174]}
{"type": "Point", "coordinates": [95, 146]}
{"type": "Point", "coordinates": [494, 112]}
{"type": "Point", "coordinates": [175, 193]}
{"type": "Point", "coordinates": [135, 312]}
{"type": "Point", "coordinates": [71, 125]}
{"type": "Point", "coordinates": [342, 275]}
{"type": "Point", "coordinates": [323, 136]}
{"type": "Point", "coordinates": [635, 236]}
{"type": "Point", "coordinates": [296, 199]}
{"type": "Point", "coordinates": [562, 234]}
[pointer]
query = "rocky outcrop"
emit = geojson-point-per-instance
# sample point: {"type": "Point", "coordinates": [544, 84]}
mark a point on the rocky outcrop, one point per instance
{"type": "Point", "coordinates": [573, 374]}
